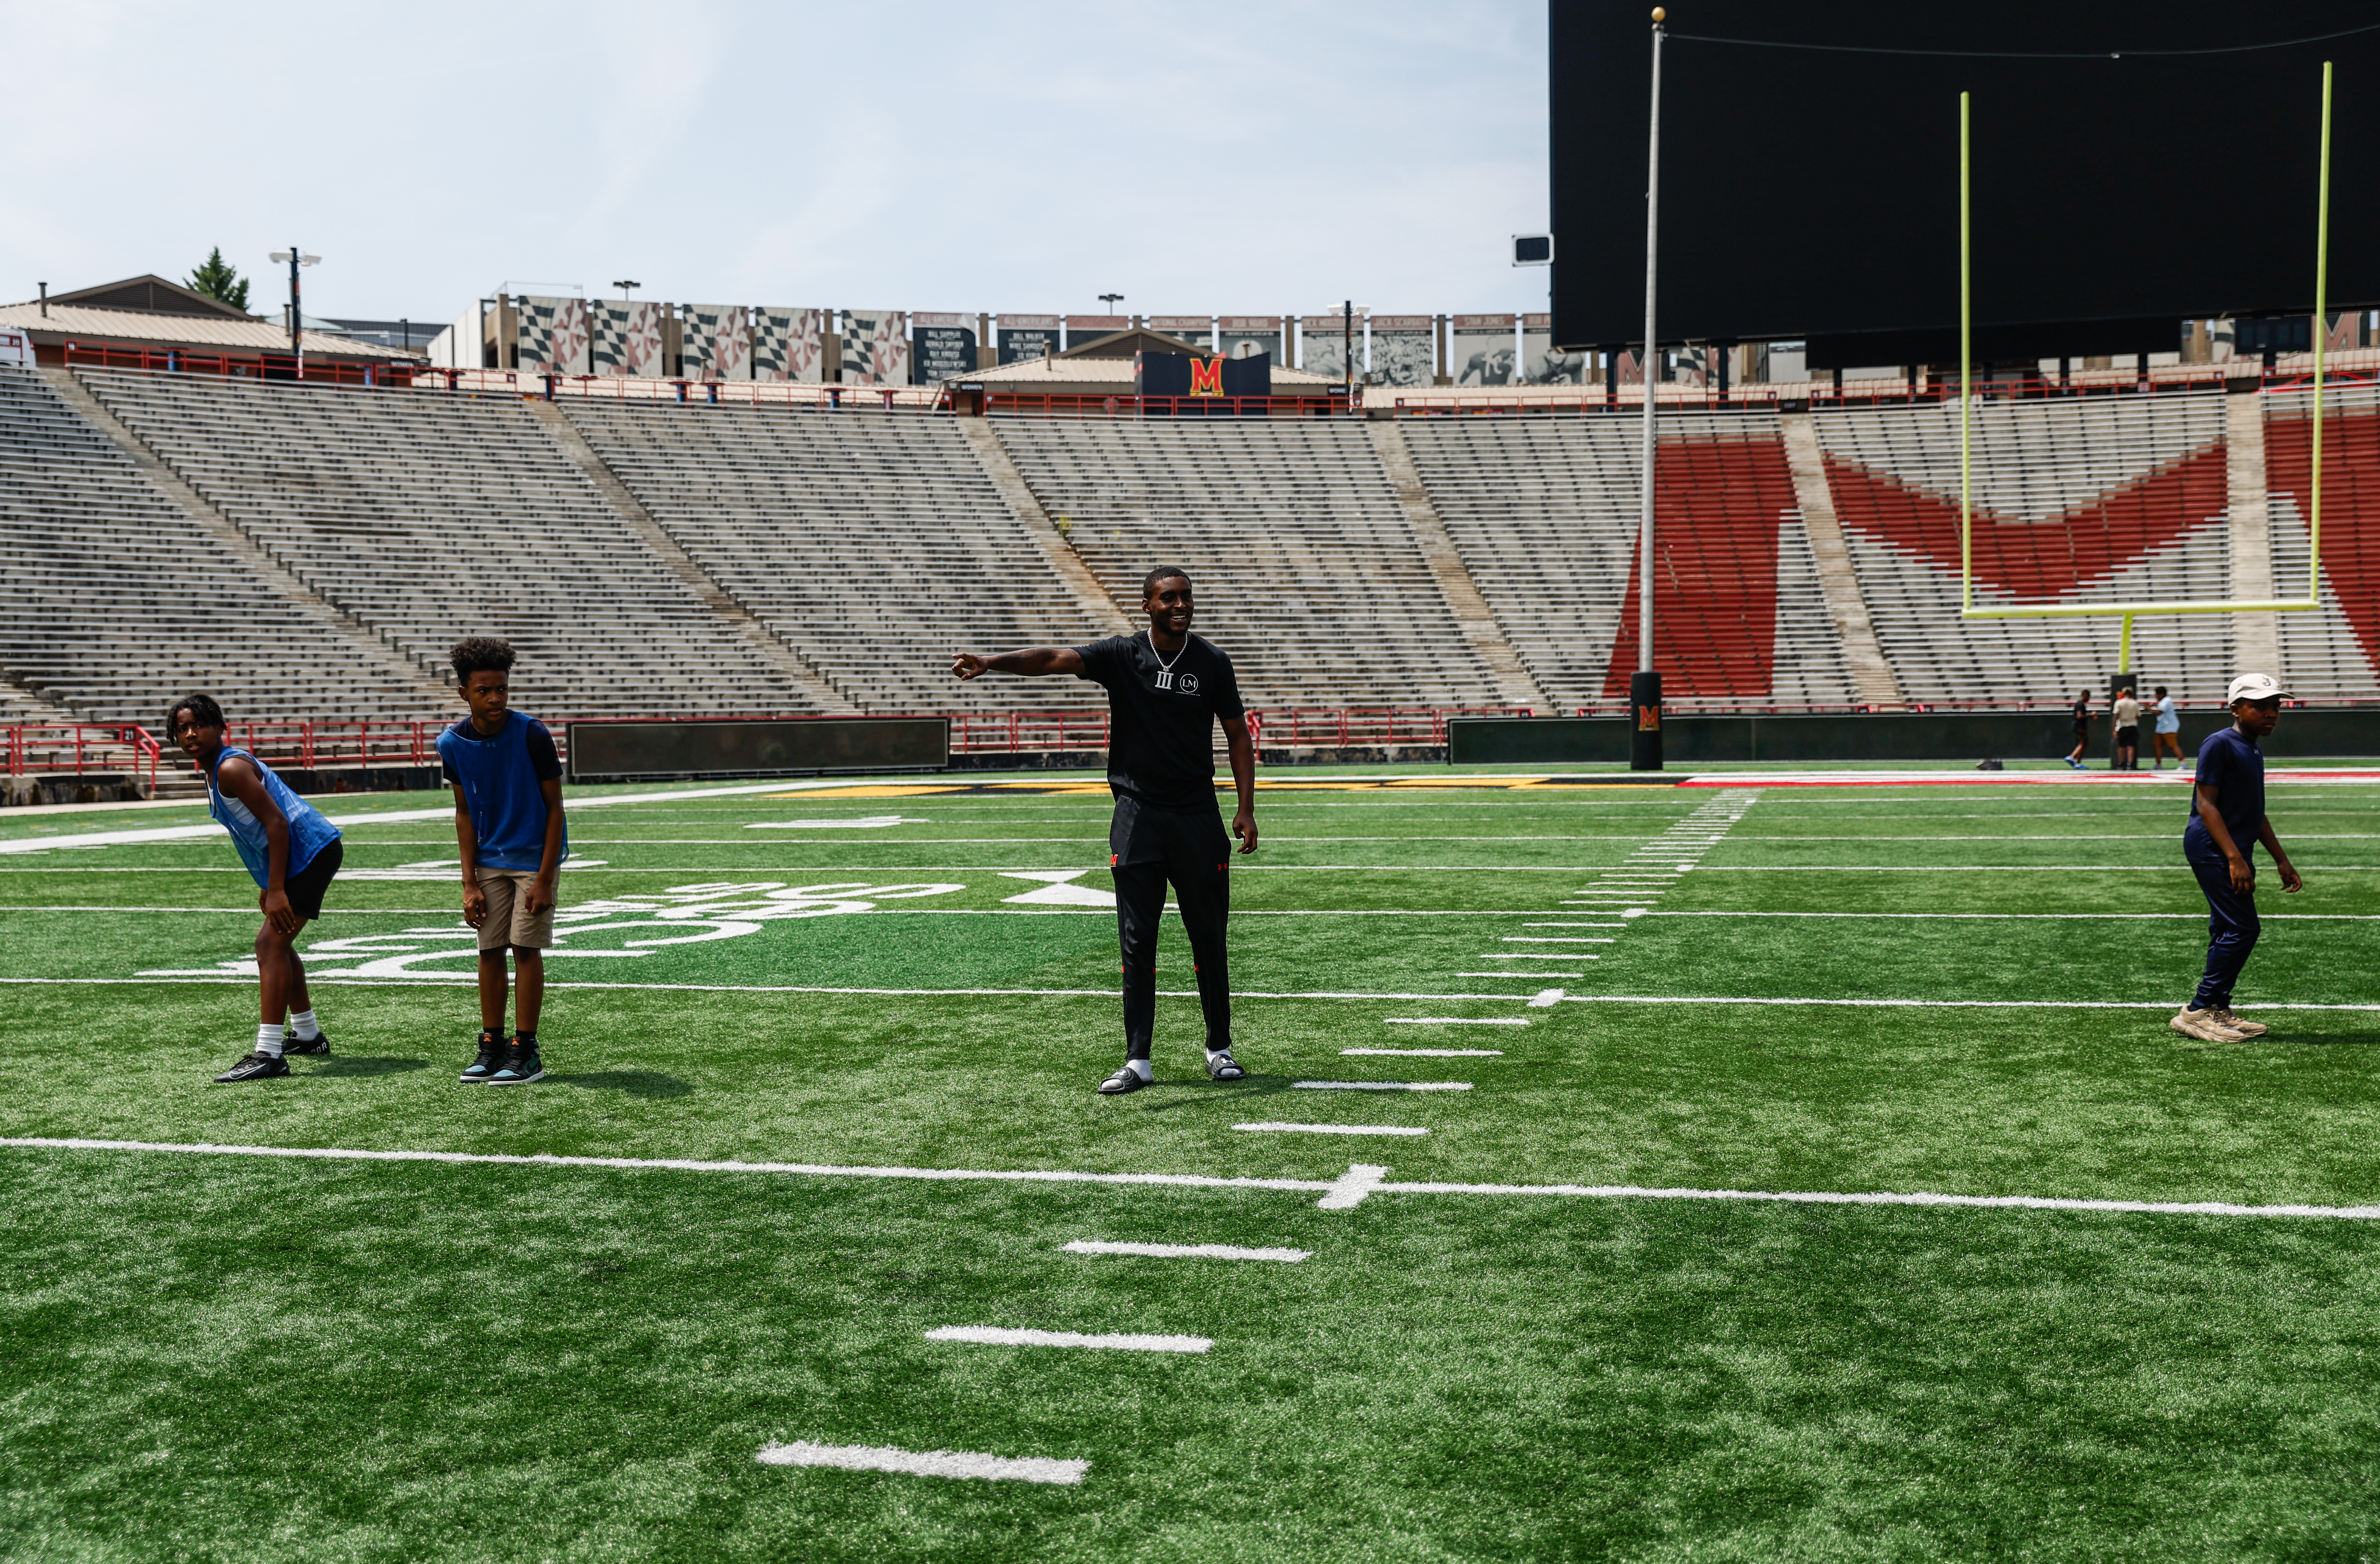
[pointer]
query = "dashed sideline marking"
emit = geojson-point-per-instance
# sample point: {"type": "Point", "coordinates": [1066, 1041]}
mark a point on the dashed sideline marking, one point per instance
{"type": "Point", "coordinates": [1274, 1128]}
{"type": "Point", "coordinates": [926, 1464]}
{"type": "Point", "coordinates": [1120, 1342]}
{"type": "Point", "coordinates": [1186, 1251]}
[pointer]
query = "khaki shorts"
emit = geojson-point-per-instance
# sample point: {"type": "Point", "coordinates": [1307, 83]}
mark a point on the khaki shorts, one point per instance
{"type": "Point", "coordinates": [508, 921]}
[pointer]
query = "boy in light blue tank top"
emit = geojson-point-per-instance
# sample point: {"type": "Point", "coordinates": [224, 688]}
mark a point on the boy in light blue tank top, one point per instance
{"type": "Point", "coordinates": [292, 853]}
{"type": "Point", "coordinates": [508, 824]}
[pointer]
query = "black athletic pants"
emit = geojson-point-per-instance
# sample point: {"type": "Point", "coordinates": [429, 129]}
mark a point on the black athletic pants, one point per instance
{"type": "Point", "coordinates": [1189, 848]}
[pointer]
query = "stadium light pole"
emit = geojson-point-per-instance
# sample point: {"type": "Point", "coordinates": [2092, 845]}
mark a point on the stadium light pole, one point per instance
{"type": "Point", "coordinates": [1645, 687]}
{"type": "Point", "coordinates": [297, 258]}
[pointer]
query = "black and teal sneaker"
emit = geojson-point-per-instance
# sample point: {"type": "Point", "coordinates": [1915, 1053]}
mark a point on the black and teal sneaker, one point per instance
{"type": "Point", "coordinates": [492, 1058]}
{"type": "Point", "coordinates": [520, 1066]}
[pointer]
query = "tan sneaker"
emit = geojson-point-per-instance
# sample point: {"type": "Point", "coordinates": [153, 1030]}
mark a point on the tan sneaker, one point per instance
{"type": "Point", "coordinates": [2244, 1027]}
{"type": "Point", "coordinates": [2205, 1025]}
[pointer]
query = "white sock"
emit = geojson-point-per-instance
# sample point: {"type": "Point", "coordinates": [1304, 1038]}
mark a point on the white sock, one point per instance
{"type": "Point", "coordinates": [1140, 1068]}
{"type": "Point", "coordinates": [1212, 1050]}
{"type": "Point", "coordinates": [304, 1026]}
{"type": "Point", "coordinates": [268, 1038]}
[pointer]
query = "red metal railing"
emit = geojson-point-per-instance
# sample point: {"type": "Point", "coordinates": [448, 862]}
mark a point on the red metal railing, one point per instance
{"type": "Point", "coordinates": [253, 365]}
{"type": "Point", "coordinates": [52, 749]}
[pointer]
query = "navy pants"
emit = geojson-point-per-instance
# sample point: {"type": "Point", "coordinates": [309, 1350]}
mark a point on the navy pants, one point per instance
{"type": "Point", "coordinates": [2231, 929]}
{"type": "Point", "coordinates": [1187, 847]}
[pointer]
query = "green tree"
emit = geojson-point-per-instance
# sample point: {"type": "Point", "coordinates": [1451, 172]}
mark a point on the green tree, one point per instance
{"type": "Point", "coordinates": [219, 279]}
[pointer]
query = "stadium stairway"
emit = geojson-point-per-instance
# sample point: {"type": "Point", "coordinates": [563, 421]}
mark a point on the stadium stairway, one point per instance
{"type": "Point", "coordinates": [1057, 552]}
{"type": "Point", "coordinates": [126, 590]}
{"type": "Point", "coordinates": [433, 515]}
{"type": "Point", "coordinates": [1872, 680]}
{"type": "Point", "coordinates": [1308, 572]}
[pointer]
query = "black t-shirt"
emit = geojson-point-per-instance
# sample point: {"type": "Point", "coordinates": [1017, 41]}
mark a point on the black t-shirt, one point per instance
{"type": "Point", "coordinates": [1160, 740]}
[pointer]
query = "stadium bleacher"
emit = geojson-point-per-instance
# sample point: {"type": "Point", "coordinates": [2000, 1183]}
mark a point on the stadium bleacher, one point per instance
{"type": "Point", "coordinates": [118, 601]}
{"type": "Point", "coordinates": [876, 544]}
{"type": "Point", "coordinates": [433, 517]}
{"type": "Point", "coordinates": [1307, 571]}
{"type": "Point", "coordinates": [2329, 653]}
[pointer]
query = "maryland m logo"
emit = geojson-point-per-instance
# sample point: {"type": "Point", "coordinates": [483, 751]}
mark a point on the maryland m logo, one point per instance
{"type": "Point", "coordinates": [1205, 376]}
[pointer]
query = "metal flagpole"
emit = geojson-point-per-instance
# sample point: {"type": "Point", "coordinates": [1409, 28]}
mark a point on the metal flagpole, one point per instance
{"type": "Point", "coordinates": [1645, 688]}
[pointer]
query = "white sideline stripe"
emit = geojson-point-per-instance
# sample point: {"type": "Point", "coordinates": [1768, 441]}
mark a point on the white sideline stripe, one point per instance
{"type": "Point", "coordinates": [1380, 1086]}
{"type": "Point", "coordinates": [1437, 1053]}
{"type": "Point", "coordinates": [1441, 1021]}
{"type": "Point", "coordinates": [926, 1464]}
{"type": "Point", "coordinates": [2193, 917]}
{"type": "Point", "coordinates": [1539, 973]}
{"type": "Point", "coordinates": [1559, 938]}
{"type": "Point", "coordinates": [674, 1164]}
{"type": "Point", "coordinates": [1274, 1128]}
{"type": "Point", "coordinates": [1573, 926]}
{"type": "Point", "coordinates": [1545, 956]}
{"type": "Point", "coordinates": [1186, 1251]}
{"type": "Point", "coordinates": [434, 979]}
{"type": "Point", "coordinates": [1349, 1189]}
{"type": "Point", "coordinates": [1121, 1341]}
{"type": "Point", "coordinates": [1933, 1004]}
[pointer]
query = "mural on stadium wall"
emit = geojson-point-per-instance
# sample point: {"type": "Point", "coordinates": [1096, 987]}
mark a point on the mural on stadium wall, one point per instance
{"type": "Point", "coordinates": [1480, 350]}
{"type": "Point", "coordinates": [628, 336]}
{"type": "Point", "coordinates": [941, 345]}
{"type": "Point", "coordinates": [1245, 337]}
{"type": "Point", "coordinates": [1403, 350]}
{"type": "Point", "coordinates": [1540, 364]}
{"type": "Point", "coordinates": [1322, 343]}
{"type": "Point", "coordinates": [1027, 336]}
{"type": "Point", "coordinates": [1198, 331]}
{"type": "Point", "coordinates": [716, 342]}
{"type": "Point", "coordinates": [788, 344]}
{"type": "Point", "coordinates": [1081, 329]}
{"type": "Point", "coordinates": [875, 348]}
{"type": "Point", "coordinates": [553, 335]}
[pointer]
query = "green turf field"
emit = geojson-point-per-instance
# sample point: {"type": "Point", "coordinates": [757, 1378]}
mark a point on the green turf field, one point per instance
{"type": "Point", "coordinates": [1534, 1324]}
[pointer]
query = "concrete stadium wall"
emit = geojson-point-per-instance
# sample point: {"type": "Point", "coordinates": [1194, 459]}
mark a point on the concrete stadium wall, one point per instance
{"type": "Point", "coordinates": [1884, 736]}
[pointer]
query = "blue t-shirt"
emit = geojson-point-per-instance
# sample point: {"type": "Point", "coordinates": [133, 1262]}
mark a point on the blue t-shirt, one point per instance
{"type": "Point", "coordinates": [499, 776]}
{"type": "Point", "coordinates": [309, 832]}
{"type": "Point", "coordinates": [2231, 764]}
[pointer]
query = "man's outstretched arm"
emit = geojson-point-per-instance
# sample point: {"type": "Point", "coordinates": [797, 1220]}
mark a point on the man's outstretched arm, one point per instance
{"type": "Point", "coordinates": [1032, 663]}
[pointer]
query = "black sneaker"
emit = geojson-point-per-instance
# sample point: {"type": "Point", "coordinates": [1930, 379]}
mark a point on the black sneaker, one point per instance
{"type": "Point", "coordinates": [319, 1043]}
{"type": "Point", "coordinates": [256, 1067]}
{"type": "Point", "coordinates": [492, 1056]}
{"type": "Point", "coordinates": [1222, 1066]}
{"type": "Point", "coordinates": [520, 1066]}
{"type": "Point", "coordinates": [1124, 1080]}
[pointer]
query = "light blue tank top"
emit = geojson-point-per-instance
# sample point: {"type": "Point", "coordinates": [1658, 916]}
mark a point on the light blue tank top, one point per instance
{"type": "Point", "coordinates": [309, 832]}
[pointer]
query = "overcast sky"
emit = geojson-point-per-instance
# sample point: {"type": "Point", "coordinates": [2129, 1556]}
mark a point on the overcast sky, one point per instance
{"type": "Point", "coordinates": [1230, 156]}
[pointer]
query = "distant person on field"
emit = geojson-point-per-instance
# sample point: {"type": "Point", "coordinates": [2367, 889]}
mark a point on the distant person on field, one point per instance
{"type": "Point", "coordinates": [2168, 729]}
{"type": "Point", "coordinates": [1166, 690]}
{"type": "Point", "coordinates": [2082, 731]}
{"type": "Point", "coordinates": [2127, 731]}
{"type": "Point", "coordinates": [292, 853]}
{"type": "Point", "coordinates": [508, 823]}
{"type": "Point", "coordinates": [2227, 820]}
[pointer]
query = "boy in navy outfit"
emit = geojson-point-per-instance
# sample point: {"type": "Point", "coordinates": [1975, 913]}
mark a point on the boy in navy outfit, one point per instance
{"type": "Point", "coordinates": [508, 823]}
{"type": "Point", "coordinates": [2227, 820]}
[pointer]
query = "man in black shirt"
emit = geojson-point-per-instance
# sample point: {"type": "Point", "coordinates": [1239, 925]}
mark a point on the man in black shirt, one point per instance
{"type": "Point", "coordinates": [1166, 689]}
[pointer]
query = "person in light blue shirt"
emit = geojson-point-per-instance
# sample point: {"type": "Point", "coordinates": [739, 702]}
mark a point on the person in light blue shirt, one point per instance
{"type": "Point", "coordinates": [2168, 729]}
{"type": "Point", "coordinates": [508, 823]}
{"type": "Point", "coordinates": [292, 853]}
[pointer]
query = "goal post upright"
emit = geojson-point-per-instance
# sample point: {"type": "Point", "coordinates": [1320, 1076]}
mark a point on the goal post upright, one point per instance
{"type": "Point", "coordinates": [2127, 611]}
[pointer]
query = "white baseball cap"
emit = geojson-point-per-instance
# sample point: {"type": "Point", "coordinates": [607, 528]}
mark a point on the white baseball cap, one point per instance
{"type": "Point", "coordinates": [2255, 686]}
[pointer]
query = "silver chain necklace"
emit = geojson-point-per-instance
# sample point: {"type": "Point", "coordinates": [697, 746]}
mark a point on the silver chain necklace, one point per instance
{"type": "Point", "coordinates": [1165, 668]}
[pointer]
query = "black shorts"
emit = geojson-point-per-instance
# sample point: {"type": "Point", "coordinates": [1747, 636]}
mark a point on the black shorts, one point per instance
{"type": "Point", "coordinates": [2128, 738]}
{"type": "Point", "coordinates": [305, 888]}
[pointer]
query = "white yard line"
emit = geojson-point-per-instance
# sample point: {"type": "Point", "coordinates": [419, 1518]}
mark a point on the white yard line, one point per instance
{"type": "Point", "coordinates": [1186, 1251]}
{"type": "Point", "coordinates": [1558, 955]}
{"type": "Point", "coordinates": [1557, 939]}
{"type": "Point", "coordinates": [438, 979]}
{"type": "Point", "coordinates": [1442, 1053]}
{"type": "Point", "coordinates": [1121, 1341]}
{"type": "Point", "coordinates": [926, 1464]}
{"type": "Point", "coordinates": [1350, 1188]}
{"type": "Point", "coordinates": [1279, 1128]}
{"type": "Point", "coordinates": [1380, 1086]}
{"type": "Point", "coordinates": [1515, 973]}
{"type": "Point", "coordinates": [2193, 917]}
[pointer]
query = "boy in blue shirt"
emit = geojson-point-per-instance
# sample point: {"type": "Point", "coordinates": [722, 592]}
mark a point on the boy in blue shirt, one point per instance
{"type": "Point", "coordinates": [291, 853]}
{"type": "Point", "coordinates": [508, 823]}
{"type": "Point", "coordinates": [2227, 820]}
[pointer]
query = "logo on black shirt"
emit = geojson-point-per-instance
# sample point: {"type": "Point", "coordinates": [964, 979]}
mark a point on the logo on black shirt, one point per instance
{"type": "Point", "coordinates": [1189, 684]}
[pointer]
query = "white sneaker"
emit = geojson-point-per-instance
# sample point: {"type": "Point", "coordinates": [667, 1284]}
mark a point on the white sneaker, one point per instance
{"type": "Point", "coordinates": [2207, 1026]}
{"type": "Point", "coordinates": [2244, 1027]}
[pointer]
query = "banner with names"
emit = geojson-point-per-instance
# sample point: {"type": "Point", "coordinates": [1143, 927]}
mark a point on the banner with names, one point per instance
{"type": "Point", "coordinates": [1245, 337]}
{"type": "Point", "coordinates": [1081, 329]}
{"type": "Point", "coordinates": [1198, 331]}
{"type": "Point", "coordinates": [1027, 336]}
{"type": "Point", "coordinates": [942, 346]}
